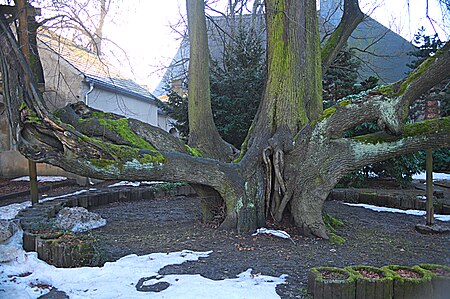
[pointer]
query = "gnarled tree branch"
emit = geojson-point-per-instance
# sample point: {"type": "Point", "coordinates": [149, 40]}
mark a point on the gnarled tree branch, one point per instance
{"type": "Point", "coordinates": [350, 20]}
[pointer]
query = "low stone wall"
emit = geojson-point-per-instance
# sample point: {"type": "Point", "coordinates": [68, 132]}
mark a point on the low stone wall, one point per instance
{"type": "Point", "coordinates": [404, 200]}
{"type": "Point", "coordinates": [63, 249]}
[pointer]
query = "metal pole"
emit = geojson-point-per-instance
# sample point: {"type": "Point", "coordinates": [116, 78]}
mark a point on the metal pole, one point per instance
{"type": "Point", "coordinates": [429, 186]}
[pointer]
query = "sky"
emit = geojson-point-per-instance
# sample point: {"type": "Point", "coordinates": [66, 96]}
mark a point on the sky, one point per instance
{"type": "Point", "coordinates": [144, 30]}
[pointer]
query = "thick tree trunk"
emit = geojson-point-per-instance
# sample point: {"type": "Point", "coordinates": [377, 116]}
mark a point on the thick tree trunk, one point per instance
{"type": "Point", "coordinates": [293, 156]}
{"type": "Point", "coordinates": [292, 99]}
{"type": "Point", "coordinates": [203, 133]}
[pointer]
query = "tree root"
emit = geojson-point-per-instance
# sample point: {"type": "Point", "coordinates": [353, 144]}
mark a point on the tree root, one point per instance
{"type": "Point", "coordinates": [277, 196]}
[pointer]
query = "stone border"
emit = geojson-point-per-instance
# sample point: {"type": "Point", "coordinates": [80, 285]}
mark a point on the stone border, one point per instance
{"type": "Point", "coordinates": [39, 237]}
{"type": "Point", "coordinates": [405, 201]}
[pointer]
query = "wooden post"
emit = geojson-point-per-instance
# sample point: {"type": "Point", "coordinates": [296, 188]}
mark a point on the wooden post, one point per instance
{"type": "Point", "coordinates": [429, 186]}
{"type": "Point", "coordinates": [24, 42]}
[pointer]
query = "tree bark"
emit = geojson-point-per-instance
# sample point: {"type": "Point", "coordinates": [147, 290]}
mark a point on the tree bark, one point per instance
{"type": "Point", "coordinates": [203, 133]}
{"type": "Point", "coordinates": [292, 158]}
{"type": "Point", "coordinates": [351, 18]}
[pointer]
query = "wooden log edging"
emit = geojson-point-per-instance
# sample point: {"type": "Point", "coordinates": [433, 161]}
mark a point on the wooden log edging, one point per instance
{"type": "Point", "coordinates": [373, 197]}
{"type": "Point", "coordinates": [66, 249]}
{"type": "Point", "coordinates": [324, 287]}
{"type": "Point", "coordinates": [373, 288]}
{"type": "Point", "coordinates": [393, 281]}
{"type": "Point", "coordinates": [439, 281]}
{"type": "Point", "coordinates": [411, 288]}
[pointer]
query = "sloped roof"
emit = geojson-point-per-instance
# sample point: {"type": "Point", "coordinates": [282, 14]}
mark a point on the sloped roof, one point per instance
{"type": "Point", "coordinates": [96, 69]}
{"type": "Point", "coordinates": [385, 55]}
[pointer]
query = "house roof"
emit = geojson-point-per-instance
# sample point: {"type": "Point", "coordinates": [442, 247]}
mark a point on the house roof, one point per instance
{"type": "Point", "coordinates": [96, 69]}
{"type": "Point", "coordinates": [383, 52]}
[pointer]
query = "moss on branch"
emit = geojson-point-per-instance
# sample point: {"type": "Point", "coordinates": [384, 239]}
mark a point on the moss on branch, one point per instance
{"type": "Point", "coordinates": [426, 127]}
{"type": "Point", "coordinates": [119, 155]}
{"type": "Point", "coordinates": [121, 127]}
{"type": "Point", "coordinates": [193, 151]}
{"type": "Point", "coordinates": [399, 88]}
{"type": "Point", "coordinates": [332, 42]}
{"type": "Point", "coordinates": [325, 114]}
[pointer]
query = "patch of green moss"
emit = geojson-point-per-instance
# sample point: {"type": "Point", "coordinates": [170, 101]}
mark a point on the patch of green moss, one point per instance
{"type": "Point", "coordinates": [325, 114]}
{"type": "Point", "coordinates": [331, 43]}
{"type": "Point", "coordinates": [432, 267]}
{"type": "Point", "coordinates": [193, 151]}
{"type": "Point", "coordinates": [317, 272]}
{"type": "Point", "coordinates": [389, 89]}
{"type": "Point", "coordinates": [383, 273]}
{"type": "Point", "coordinates": [344, 103]}
{"type": "Point", "coordinates": [386, 90]}
{"type": "Point", "coordinates": [31, 116]}
{"type": "Point", "coordinates": [410, 130]}
{"type": "Point", "coordinates": [122, 128]}
{"type": "Point", "coordinates": [427, 126]}
{"type": "Point", "coordinates": [426, 275]}
{"type": "Point", "coordinates": [23, 105]}
{"type": "Point", "coordinates": [33, 119]}
{"type": "Point", "coordinates": [335, 239]}
{"type": "Point", "coordinates": [122, 154]}
{"type": "Point", "coordinates": [331, 224]}
{"type": "Point", "coordinates": [70, 126]}
{"type": "Point", "coordinates": [244, 146]}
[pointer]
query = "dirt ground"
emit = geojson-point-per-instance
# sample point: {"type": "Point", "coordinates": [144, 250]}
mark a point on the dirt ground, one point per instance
{"type": "Point", "coordinates": [372, 238]}
{"type": "Point", "coordinates": [173, 224]}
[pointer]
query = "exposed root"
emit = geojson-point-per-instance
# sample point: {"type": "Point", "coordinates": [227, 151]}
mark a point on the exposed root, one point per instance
{"type": "Point", "coordinates": [277, 196]}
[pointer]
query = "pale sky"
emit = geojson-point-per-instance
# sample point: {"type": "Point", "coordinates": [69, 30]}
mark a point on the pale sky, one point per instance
{"type": "Point", "coordinates": [144, 32]}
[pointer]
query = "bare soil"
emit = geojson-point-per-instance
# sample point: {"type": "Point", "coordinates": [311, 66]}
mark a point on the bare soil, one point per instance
{"type": "Point", "coordinates": [173, 224]}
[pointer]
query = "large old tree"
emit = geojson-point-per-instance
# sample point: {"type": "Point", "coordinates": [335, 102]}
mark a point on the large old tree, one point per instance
{"type": "Point", "coordinates": [294, 153]}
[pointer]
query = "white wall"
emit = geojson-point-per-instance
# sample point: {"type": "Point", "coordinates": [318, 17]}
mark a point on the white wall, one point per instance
{"type": "Point", "coordinates": [127, 106]}
{"type": "Point", "coordinates": [165, 123]}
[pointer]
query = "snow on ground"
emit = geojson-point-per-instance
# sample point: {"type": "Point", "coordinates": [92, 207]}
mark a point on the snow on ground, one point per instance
{"type": "Point", "coordinates": [277, 233]}
{"type": "Point", "coordinates": [393, 210]}
{"type": "Point", "coordinates": [27, 277]}
{"type": "Point", "coordinates": [436, 176]}
{"type": "Point", "coordinates": [41, 179]}
{"type": "Point", "coordinates": [10, 211]}
{"type": "Point", "coordinates": [134, 184]}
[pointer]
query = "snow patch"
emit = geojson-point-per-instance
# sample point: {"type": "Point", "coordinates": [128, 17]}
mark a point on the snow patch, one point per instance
{"type": "Point", "coordinates": [78, 219]}
{"type": "Point", "coordinates": [277, 233]}
{"type": "Point", "coordinates": [134, 184]}
{"type": "Point", "coordinates": [437, 176]}
{"type": "Point", "coordinates": [41, 179]}
{"type": "Point", "coordinates": [11, 211]}
{"type": "Point", "coordinates": [119, 279]}
{"type": "Point", "coordinates": [394, 210]}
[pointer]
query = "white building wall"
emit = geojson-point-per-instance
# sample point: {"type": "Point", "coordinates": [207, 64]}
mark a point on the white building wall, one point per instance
{"type": "Point", "coordinates": [127, 106]}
